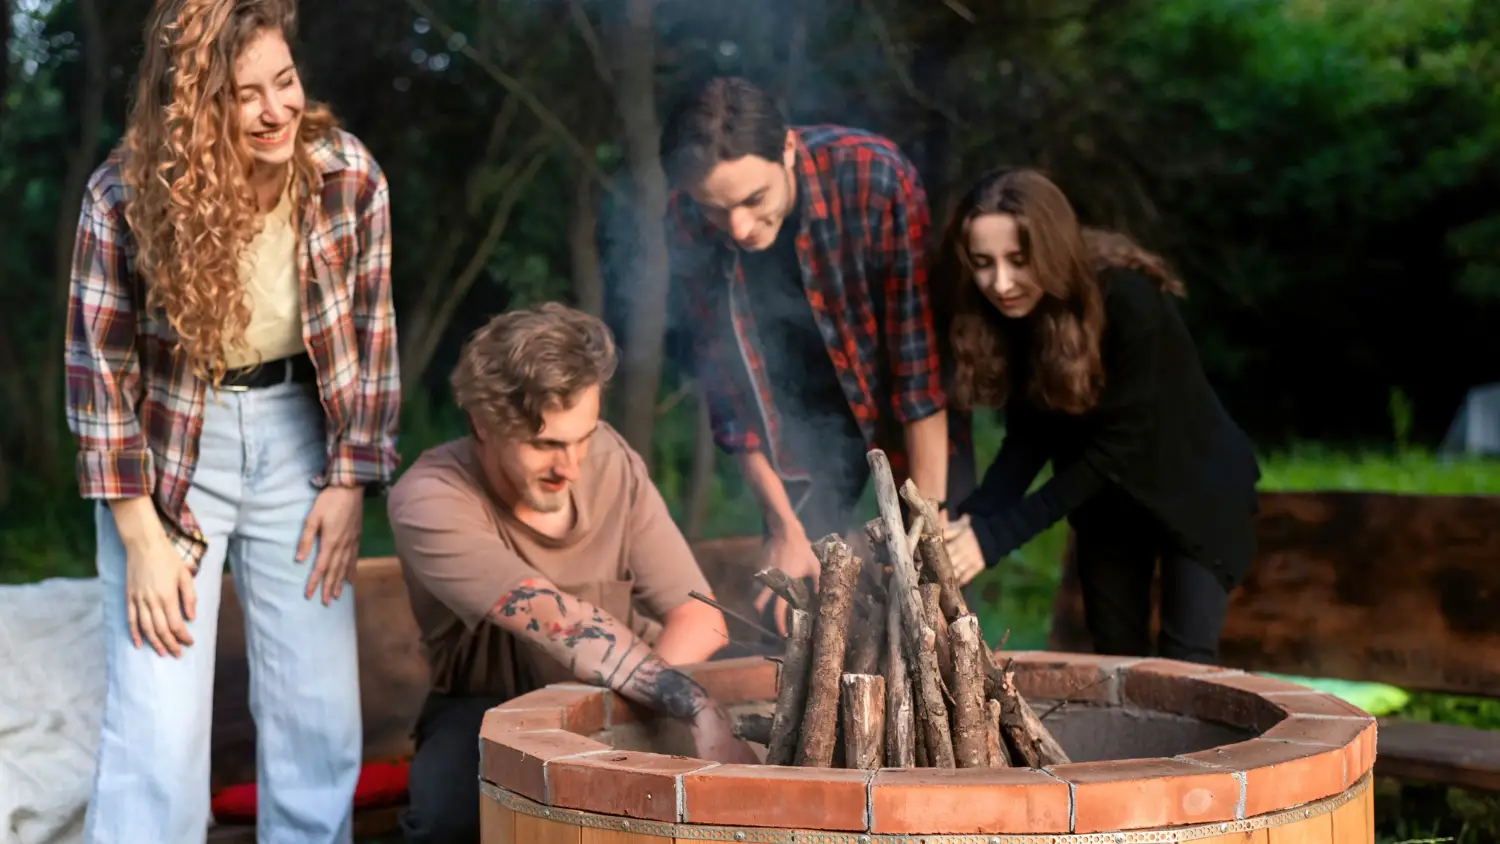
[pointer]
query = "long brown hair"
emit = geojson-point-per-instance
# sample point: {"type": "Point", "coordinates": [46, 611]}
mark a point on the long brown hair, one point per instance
{"type": "Point", "coordinates": [190, 207]}
{"type": "Point", "coordinates": [1064, 371]}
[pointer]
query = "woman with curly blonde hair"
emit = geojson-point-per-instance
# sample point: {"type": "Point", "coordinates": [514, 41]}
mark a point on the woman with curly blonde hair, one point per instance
{"type": "Point", "coordinates": [1075, 334]}
{"type": "Point", "coordinates": [233, 388]}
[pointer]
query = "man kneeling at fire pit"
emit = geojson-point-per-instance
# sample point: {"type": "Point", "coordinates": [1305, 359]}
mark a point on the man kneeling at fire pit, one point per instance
{"type": "Point", "coordinates": [537, 550]}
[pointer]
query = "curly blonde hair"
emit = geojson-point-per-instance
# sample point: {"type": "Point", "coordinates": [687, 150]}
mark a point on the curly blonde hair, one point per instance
{"type": "Point", "coordinates": [190, 207]}
{"type": "Point", "coordinates": [523, 363]}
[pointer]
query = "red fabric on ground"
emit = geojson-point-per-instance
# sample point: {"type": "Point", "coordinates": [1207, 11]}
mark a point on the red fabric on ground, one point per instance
{"type": "Point", "coordinates": [380, 784]}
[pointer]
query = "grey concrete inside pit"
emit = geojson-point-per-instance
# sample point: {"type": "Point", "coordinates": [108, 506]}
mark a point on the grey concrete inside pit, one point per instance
{"type": "Point", "coordinates": [1089, 733]}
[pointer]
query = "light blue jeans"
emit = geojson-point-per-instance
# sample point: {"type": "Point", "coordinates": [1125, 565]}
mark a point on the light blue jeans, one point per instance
{"type": "Point", "coordinates": [251, 492]}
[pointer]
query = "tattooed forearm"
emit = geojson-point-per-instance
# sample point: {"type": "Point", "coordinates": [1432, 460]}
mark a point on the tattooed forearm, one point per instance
{"type": "Point", "coordinates": [615, 672]}
{"type": "Point", "coordinates": [596, 647]}
{"type": "Point", "coordinates": [584, 631]}
{"type": "Point", "coordinates": [520, 600]}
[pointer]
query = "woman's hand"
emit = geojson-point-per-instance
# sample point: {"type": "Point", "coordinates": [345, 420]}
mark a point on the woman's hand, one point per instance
{"type": "Point", "coordinates": [335, 521]}
{"type": "Point", "coordinates": [963, 549]}
{"type": "Point", "coordinates": [159, 596]}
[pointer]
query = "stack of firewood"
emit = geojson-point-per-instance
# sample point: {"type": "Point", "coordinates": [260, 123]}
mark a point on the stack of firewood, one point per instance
{"type": "Point", "coordinates": [886, 667]}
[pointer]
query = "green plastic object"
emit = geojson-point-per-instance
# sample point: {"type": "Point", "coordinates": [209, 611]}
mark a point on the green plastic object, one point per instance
{"type": "Point", "coordinates": [1378, 699]}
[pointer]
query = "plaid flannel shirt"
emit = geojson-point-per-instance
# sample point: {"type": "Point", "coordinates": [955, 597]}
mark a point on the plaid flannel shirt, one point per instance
{"type": "Point", "coordinates": [136, 409]}
{"type": "Point", "coordinates": [861, 247]}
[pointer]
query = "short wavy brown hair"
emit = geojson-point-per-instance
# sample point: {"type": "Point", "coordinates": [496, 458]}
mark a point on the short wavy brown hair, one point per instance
{"type": "Point", "coordinates": [1066, 372]}
{"type": "Point", "coordinates": [523, 363]}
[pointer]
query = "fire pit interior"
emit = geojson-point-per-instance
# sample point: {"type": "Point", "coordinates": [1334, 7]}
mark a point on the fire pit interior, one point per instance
{"type": "Point", "coordinates": [1089, 733]}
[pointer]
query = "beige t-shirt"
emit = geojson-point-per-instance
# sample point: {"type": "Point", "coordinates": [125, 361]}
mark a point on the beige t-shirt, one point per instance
{"type": "Point", "coordinates": [461, 553]}
{"type": "Point", "coordinates": [268, 271]}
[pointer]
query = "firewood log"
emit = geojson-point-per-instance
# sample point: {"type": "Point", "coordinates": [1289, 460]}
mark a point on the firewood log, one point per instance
{"type": "Point", "coordinates": [830, 638]}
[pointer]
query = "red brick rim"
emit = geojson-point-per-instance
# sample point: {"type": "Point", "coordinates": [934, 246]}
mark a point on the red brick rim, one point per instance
{"type": "Point", "coordinates": [1309, 747]}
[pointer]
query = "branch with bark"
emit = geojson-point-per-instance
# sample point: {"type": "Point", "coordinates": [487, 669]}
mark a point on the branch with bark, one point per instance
{"type": "Point", "coordinates": [516, 88]}
{"type": "Point", "coordinates": [442, 296]}
{"type": "Point", "coordinates": [892, 665]}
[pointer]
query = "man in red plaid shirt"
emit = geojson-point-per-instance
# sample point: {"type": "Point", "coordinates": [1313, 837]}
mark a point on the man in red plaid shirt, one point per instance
{"type": "Point", "coordinates": [801, 253]}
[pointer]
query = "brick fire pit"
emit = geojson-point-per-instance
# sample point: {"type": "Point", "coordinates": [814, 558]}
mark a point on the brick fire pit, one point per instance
{"type": "Point", "coordinates": [1163, 751]}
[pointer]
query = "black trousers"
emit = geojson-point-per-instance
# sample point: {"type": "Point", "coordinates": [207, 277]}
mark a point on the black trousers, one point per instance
{"type": "Point", "coordinates": [443, 785]}
{"type": "Point", "coordinates": [1118, 546]}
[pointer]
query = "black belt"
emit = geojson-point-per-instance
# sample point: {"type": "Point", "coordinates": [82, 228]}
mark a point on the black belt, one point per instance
{"type": "Point", "coordinates": [297, 369]}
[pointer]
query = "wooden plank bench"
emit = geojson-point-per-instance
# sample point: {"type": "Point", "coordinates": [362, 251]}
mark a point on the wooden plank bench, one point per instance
{"type": "Point", "coordinates": [1396, 589]}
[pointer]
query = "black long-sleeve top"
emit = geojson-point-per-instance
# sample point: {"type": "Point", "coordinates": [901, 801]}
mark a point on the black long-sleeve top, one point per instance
{"type": "Point", "coordinates": [1158, 431]}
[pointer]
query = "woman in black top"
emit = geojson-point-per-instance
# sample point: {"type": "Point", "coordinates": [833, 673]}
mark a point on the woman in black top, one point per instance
{"type": "Point", "coordinates": [1074, 332]}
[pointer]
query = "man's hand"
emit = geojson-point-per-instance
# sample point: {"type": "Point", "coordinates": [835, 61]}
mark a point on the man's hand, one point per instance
{"type": "Point", "coordinates": [963, 550]}
{"type": "Point", "coordinates": [791, 551]}
{"type": "Point", "coordinates": [713, 736]}
{"type": "Point", "coordinates": [603, 651]}
{"type": "Point", "coordinates": [335, 522]}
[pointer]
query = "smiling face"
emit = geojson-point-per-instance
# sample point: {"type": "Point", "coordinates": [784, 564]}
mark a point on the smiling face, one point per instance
{"type": "Point", "coordinates": [534, 473]}
{"type": "Point", "coordinates": [1002, 268]}
{"type": "Point", "coordinates": [750, 197]}
{"type": "Point", "coordinates": [270, 97]}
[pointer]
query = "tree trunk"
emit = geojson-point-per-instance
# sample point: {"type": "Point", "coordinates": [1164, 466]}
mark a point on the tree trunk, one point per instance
{"type": "Point", "coordinates": [440, 303]}
{"type": "Point", "coordinates": [583, 247]}
{"type": "Point", "coordinates": [5, 28]}
{"type": "Point", "coordinates": [80, 165]}
{"type": "Point", "coordinates": [701, 477]}
{"type": "Point", "coordinates": [635, 100]}
{"type": "Point", "coordinates": [796, 60]}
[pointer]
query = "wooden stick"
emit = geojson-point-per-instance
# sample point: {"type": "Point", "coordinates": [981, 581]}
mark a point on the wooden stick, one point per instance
{"type": "Point", "coordinates": [794, 592]}
{"type": "Point", "coordinates": [900, 743]}
{"type": "Point", "coordinates": [969, 711]}
{"type": "Point", "coordinates": [830, 638]}
{"type": "Point", "coordinates": [863, 698]}
{"type": "Point", "coordinates": [913, 534]}
{"type": "Point", "coordinates": [866, 643]}
{"type": "Point", "coordinates": [934, 551]}
{"type": "Point", "coordinates": [753, 726]}
{"type": "Point", "coordinates": [994, 745]}
{"type": "Point", "coordinates": [1033, 742]}
{"type": "Point", "coordinates": [699, 596]}
{"type": "Point", "coordinates": [934, 615]}
{"type": "Point", "coordinates": [791, 697]}
{"type": "Point", "coordinates": [921, 639]}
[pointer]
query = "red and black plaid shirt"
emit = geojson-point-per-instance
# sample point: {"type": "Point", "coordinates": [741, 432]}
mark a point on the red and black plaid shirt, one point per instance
{"type": "Point", "coordinates": [861, 248]}
{"type": "Point", "coordinates": [136, 410]}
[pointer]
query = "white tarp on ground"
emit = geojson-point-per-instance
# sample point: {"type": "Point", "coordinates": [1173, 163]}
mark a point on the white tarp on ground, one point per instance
{"type": "Point", "coordinates": [51, 697]}
{"type": "Point", "coordinates": [1476, 427]}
